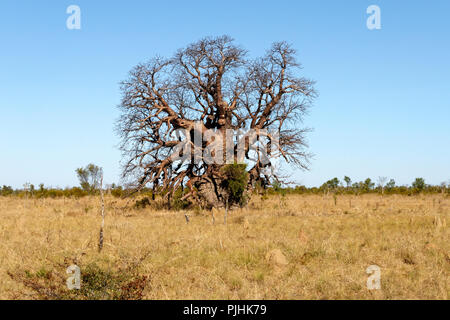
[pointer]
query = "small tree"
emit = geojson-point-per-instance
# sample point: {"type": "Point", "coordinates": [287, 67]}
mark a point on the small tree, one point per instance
{"type": "Point", "coordinates": [330, 185]}
{"type": "Point", "coordinates": [26, 189]}
{"type": "Point", "coordinates": [368, 185]}
{"type": "Point", "coordinates": [348, 181]}
{"type": "Point", "coordinates": [390, 185]}
{"type": "Point", "coordinates": [333, 183]}
{"type": "Point", "coordinates": [381, 183]}
{"type": "Point", "coordinates": [419, 184]}
{"type": "Point", "coordinates": [89, 177]}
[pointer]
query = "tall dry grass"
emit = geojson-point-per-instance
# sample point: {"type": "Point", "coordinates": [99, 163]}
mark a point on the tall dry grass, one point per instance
{"type": "Point", "coordinates": [325, 247]}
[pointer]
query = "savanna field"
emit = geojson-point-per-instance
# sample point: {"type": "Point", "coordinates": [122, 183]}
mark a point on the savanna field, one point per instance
{"type": "Point", "coordinates": [291, 247]}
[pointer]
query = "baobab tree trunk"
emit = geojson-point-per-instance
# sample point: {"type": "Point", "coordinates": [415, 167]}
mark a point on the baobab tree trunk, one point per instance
{"type": "Point", "coordinates": [211, 194]}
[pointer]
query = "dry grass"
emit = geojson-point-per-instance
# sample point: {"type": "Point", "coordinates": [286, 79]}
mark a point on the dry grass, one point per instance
{"type": "Point", "coordinates": [326, 247]}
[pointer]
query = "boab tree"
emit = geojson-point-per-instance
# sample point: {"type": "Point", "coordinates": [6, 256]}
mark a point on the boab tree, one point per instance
{"type": "Point", "coordinates": [212, 86]}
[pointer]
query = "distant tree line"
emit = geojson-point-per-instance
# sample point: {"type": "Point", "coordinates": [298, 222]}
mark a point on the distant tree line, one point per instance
{"type": "Point", "coordinates": [381, 186]}
{"type": "Point", "coordinates": [89, 185]}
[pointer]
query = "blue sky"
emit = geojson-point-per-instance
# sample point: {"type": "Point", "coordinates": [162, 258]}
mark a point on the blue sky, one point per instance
{"type": "Point", "coordinates": [384, 104]}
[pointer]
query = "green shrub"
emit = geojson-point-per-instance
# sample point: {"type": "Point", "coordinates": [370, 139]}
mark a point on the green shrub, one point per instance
{"type": "Point", "coordinates": [6, 191]}
{"type": "Point", "coordinates": [235, 182]}
{"type": "Point", "coordinates": [97, 283]}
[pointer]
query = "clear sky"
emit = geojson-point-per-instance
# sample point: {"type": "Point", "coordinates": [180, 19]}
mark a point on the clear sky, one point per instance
{"type": "Point", "coordinates": [383, 110]}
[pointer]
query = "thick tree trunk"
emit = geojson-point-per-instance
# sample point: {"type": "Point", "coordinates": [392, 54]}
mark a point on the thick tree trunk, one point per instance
{"type": "Point", "coordinates": [212, 195]}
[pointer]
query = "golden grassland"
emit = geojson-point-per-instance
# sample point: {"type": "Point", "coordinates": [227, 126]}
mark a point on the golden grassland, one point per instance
{"type": "Point", "coordinates": [323, 247]}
